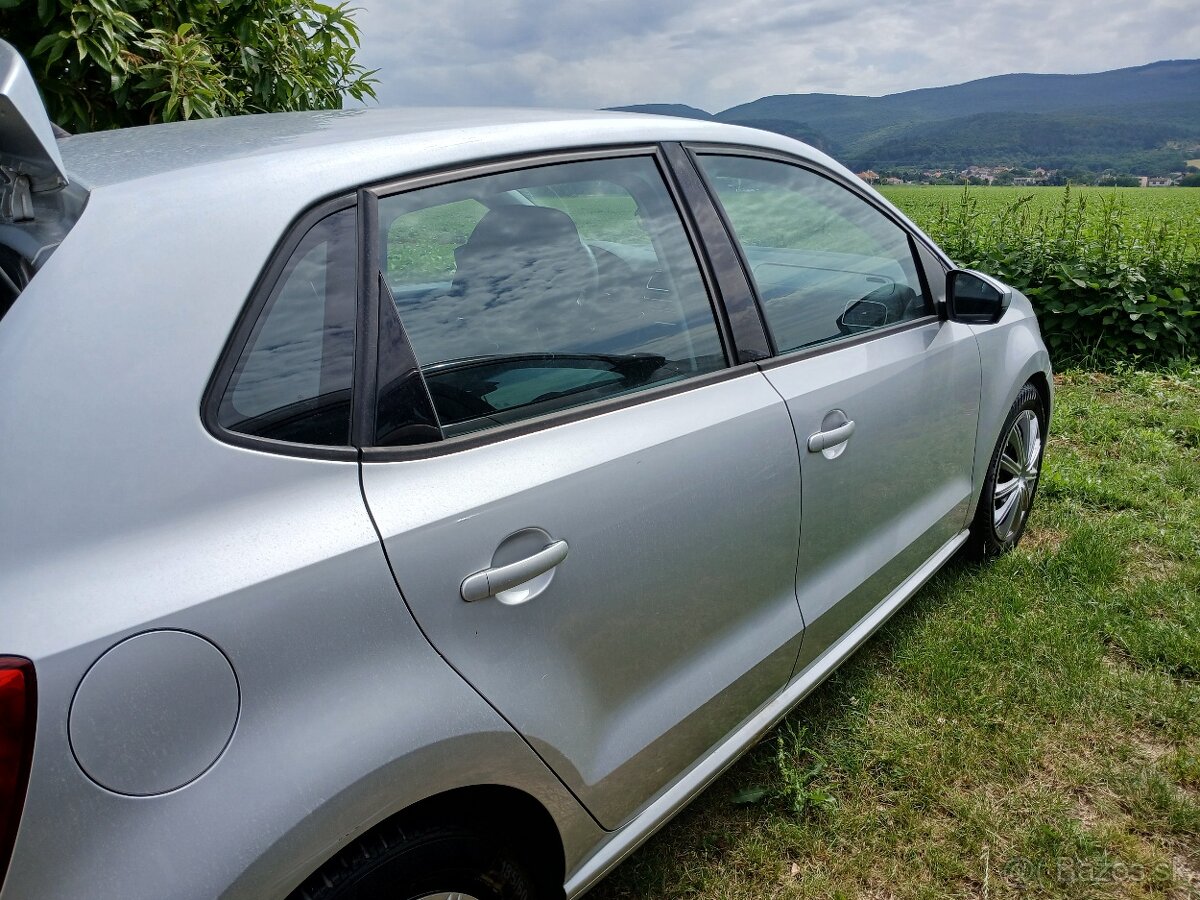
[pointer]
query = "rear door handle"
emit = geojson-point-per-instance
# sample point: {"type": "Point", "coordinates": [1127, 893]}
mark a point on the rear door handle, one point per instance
{"type": "Point", "coordinates": [492, 581]}
{"type": "Point", "coordinates": [823, 440]}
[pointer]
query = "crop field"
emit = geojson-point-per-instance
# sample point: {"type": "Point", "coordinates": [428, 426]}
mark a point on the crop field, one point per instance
{"type": "Point", "coordinates": [1177, 209]}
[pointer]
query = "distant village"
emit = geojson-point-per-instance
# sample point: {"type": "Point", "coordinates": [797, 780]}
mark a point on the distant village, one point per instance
{"type": "Point", "coordinates": [1019, 177]}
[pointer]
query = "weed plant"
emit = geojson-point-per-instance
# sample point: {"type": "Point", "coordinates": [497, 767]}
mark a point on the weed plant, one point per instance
{"type": "Point", "coordinates": [1111, 280]}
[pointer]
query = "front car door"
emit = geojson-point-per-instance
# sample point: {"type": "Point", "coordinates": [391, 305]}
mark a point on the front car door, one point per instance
{"type": "Point", "coordinates": [554, 395]}
{"type": "Point", "coordinates": [883, 394]}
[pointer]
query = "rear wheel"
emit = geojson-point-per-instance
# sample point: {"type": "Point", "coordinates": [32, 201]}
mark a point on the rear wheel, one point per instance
{"type": "Point", "coordinates": [422, 863]}
{"type": "Point", "coordinates": [1012, 478]}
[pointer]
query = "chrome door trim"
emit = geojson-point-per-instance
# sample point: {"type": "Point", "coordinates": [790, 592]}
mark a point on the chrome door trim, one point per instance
{"type": "Point", "coordinates": [660, 810]}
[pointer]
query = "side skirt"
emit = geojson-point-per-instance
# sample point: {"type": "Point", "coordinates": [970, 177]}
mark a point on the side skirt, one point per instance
{"type": "Point", "coordinates": [660, 810]}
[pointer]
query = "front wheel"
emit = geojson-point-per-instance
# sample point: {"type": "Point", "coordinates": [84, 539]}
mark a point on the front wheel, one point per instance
{"type": "Point", "coordinates": [1012, 478]}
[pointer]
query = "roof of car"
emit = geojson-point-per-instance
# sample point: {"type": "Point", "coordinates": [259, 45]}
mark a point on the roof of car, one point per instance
{"type": "Point", "coordinates": [406, 140]}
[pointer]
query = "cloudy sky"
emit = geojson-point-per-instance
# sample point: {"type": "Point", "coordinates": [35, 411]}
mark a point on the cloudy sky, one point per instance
{"type": "Point", "coordinates": [717, 53]}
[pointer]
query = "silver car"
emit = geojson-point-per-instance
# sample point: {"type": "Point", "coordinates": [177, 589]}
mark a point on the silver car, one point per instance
{"type": "Point", "coordinates": [429, 503]}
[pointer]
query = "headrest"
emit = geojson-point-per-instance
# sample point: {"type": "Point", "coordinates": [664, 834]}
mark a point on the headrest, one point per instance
{"type": "Point", "coordinates": [515, 226]}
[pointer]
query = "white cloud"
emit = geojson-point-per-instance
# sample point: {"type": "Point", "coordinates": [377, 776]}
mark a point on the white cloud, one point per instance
{"type": "Point", "coordinates": [718, 53]}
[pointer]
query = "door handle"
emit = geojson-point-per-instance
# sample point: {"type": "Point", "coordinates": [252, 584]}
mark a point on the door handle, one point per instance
{"type": "Point", "coordinates": [823, 440]}
{"type": "Point", "coordinates": [492, 581]}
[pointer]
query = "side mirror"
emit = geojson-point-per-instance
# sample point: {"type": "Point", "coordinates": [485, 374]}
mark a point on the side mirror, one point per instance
{"type": "Point", "coordinates": [974, 298]}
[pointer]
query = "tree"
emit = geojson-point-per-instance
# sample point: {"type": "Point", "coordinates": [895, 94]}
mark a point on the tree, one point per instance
{"type": "Point", "coordinates": [1190, 181]}
{"type": "Point", "coordinates": [1117, 181]}
{"type": "Point", "coordinates": [112, 63]}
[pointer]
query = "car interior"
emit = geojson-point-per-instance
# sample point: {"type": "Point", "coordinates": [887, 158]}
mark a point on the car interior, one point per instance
{"type": "Point", "coordinates": [535, 318]}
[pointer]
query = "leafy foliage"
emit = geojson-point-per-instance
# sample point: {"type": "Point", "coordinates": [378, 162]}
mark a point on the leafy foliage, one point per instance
{"type": "Point", "coordinates": [113, 63]}
{"type": "Point", "coordinates": [1107, 284]}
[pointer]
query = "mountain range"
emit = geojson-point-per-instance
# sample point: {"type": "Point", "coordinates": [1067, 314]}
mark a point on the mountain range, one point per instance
{"type": "Point", "coordinates": [1144, 119]}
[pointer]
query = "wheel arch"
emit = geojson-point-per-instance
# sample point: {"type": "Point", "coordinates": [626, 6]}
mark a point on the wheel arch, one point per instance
{"type": "Point", "coordinates": [500, 808]}
{"type": "Point", "coordinates": [494, 811]}
{"type": "Point", "coordinates": [1011, 355]}
{"type": "Point", "coordinates": [493, 774]}
{"type": "Point", "coordinates": [1042, 385]}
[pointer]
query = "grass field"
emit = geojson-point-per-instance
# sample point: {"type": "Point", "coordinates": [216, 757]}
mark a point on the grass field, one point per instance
{"type": "Point", "coordinates": [1178, 208]}
{"type": "Point", "coordinates": [1026, 729]}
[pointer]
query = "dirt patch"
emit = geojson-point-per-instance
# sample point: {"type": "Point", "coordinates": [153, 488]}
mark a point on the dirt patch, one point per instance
{"type": "Point", "coordinates": [1085, 812]}
{"type": "Point", "coordinates": [873, 892]}
{"type": "Point", "coordinates": [1042, 540]}
{"type": "Point", "coordinates": [1150, 747]}
{"type": "Point", "coordinates": [1150, 563]}
{"type": "Point", "coordinates": [1187, 875]}
{"type": "Point", "coordinates": [1116, 660]}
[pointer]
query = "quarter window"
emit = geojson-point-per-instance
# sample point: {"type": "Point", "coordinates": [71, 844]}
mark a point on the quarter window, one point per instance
{"type": "Point", "coordinates": [292, 380]}
{"type": "Point", "coordinates": [826, 264]}
{"type": "Point", "coordinates": [528, 292]}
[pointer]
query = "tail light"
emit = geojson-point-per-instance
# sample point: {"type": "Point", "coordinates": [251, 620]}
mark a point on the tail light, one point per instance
{"type": "Point", "coordinates": [18, 703]}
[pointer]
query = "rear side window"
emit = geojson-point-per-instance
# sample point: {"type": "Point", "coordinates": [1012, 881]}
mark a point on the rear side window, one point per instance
{"type": "Point", "coordinates": [292, 379]}
{"type": "Point", "coordinates": [528, 292]}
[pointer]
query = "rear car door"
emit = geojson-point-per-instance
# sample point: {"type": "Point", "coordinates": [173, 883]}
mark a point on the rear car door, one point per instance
{"type": "Point", "coordinates": [884, 395]}
{"type": "Point", "coordinates": [593, 517]}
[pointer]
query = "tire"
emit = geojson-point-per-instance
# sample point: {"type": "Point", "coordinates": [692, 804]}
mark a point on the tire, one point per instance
{"type": "Point", "coordinates": [1013, 473]}
{"type": "Point", "coordinates": [421, 863]}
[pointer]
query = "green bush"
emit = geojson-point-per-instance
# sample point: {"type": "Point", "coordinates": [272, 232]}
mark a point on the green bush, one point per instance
{"type": "Point", "coordinates": [1107, 285]}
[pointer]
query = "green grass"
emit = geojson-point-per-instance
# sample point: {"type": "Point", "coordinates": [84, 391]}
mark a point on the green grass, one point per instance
{"type": "Point", "coordinates": [1029, 728]}
{"type": "Point", "coordinates": [1153, 206]}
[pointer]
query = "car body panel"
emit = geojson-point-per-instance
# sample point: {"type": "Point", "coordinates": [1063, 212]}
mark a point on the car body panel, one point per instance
{"type": "Point", "coordinates": [617, 846]}
{"type": "Point", "coordinates": [901, 487]}
{"type": "Point", "coordinates": [657, 647]}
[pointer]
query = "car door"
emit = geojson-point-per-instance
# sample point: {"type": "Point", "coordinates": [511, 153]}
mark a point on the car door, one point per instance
{"type": "Point", "coordinates": [592, 516]}
{"type": "Point", "coordinates": [883, 394]}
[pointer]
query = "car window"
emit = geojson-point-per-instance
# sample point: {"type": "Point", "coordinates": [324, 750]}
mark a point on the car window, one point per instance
{"type": "Point", "coordinates": [292, 380]}
{"type": "Point", "coordinates": [576, 284]}
{"type": "Point", "coordinates": [826, 264]}
{"type": "Point", "coordinates": [421, 243]}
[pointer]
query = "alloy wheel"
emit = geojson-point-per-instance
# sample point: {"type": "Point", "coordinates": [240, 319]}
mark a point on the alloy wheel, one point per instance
{"type": "Point", "coordinates": [1017, 475]}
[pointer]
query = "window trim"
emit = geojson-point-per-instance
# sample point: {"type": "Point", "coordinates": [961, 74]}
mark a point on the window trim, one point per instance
{"type": "Point", "coordinates": [915, 241]}
{"type": "Point", "coordinates": [366, 332]}
{"type": "Point", "coordinates": [832, 346]}
{"type": "Point", "coordinates": [750, 338]}
{"type": "Point", "coordinates": [499, 433]}
{"type": "Point", "coordinates": [369, 452]}
{"type": "Point", "coordinates": [243, 328]}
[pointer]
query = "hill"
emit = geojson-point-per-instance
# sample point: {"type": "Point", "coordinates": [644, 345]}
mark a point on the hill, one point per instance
{"type": "Point", "coordinates": [1141, 118]}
